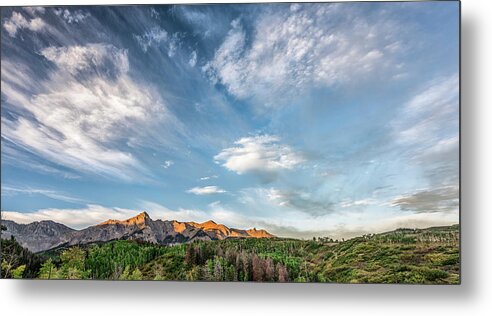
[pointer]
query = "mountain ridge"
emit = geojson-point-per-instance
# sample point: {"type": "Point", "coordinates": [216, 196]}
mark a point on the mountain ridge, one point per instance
{"type": "Point", "coordinates": [44, 235]}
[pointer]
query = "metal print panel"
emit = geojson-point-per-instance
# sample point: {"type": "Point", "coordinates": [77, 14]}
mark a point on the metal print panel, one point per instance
{"type": "Point", "coordinates": [290, 142]}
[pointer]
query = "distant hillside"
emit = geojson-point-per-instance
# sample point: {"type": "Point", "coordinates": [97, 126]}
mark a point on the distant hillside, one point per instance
{"type": "Point", "coordinates": [414, 256]}
{"type": "Point", "coordinates": [44, 235]}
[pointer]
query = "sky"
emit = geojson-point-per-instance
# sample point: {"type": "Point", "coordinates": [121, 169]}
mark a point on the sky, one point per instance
{"type": "Point", "coordinates": [328, 119]}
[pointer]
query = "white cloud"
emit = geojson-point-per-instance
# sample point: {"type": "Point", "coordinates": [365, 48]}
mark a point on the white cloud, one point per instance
{"type": "Point", "coordinates": [17, 21]}
{"type": "Point", "coordinates": [430, 112]}
{"type": "Point", "coordinates": [20, 159]}
{"type": "Point", "coordinates": [302, 225]}
{"type": "Point", "coordinates": [259, 154]}
{"type": "Point", "coordinates": [310, 45]}
{"type": "Point", "coordinates": [153, 36]}
{"type": "Point", "coordinates": [34, 10]}
{"type": "Point", "coordinates": [298, 227]}
{"type": "Point", "coordinates": [92, 214]}
{"type": "Point", "coordinates": [214, 204]}
{"type": "Point", "coordinates": [427, 130]}
{"type": "Point", "coordinates": [154, 14]}
{"type": "Point", "coordinates": [207, 190]}
{"type": "Point", "coordinates": [173, 44]}
{"type": "Point", "coordinates": [167, 164]}
{"type": "Point", "coordinates": [295, 7]}
{"type": "Point", "coordinates": [209, 177]}
{"type": "Point", "coordinates": [70, 17]}
{"type": "Point", "coordinates": [87, 105]}
{"type": "Point", "coordinates": [75, 59]}
{"type": "Point", "coordinates": [157, 211]}
{"type": "Point", "coordinates": [157, 36]}
{"type": "Point", "coordinates": [52, 194]}
{"type": "Point", "coordinates": [193, 59]}
{"type": "Point", "coordinates": [75, 218]}
{"type": "Point", "coordinates": [363, 202]}
{"type": "Point", "coordinates": [439, 94]}
{"type": "Point", "coordinates": [389, 223]}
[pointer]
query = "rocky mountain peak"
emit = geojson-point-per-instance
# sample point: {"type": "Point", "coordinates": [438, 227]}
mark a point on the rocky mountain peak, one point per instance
{"type": "Point", "coordinates": [144, 216]}
{"type": "Point", "coordinates": [39, 236]}
{"type": "Point", "coordinates": [141, 219]}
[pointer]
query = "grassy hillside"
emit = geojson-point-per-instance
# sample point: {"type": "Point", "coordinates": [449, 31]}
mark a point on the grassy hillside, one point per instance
{"type": "Point", "coordinates": [403, 256]}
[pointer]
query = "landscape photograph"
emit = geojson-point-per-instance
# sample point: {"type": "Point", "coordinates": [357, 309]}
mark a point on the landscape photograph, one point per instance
{"type": "Point", "coordinates": [268, 142]}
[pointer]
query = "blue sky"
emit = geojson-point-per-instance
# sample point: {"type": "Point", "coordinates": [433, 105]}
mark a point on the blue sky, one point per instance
{"type": "Point", "coordinates": [303, 119]}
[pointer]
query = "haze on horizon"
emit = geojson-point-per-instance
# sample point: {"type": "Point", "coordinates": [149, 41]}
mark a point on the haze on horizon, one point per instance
{"type": "Point", "coordinates": [302, 119]}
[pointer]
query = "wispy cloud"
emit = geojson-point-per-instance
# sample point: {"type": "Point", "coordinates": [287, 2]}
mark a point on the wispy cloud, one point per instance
{"type": "Point", "coordinates": [154, 14]}
{"type": "Point", "coordinates": [301, 227]}
{"type": "Point", "coordinates": [427, 130]}
{"type": "Point", "coordinates": [88, 103]}
{"type": "Point", "coordinates": [300, 201]}
{"type": "Point", "coordinates": [70, 17]}
{"type": "Point", "coordinates": [305, 226]}
{"type": "Point", "coordinates": [207, 190]}
{"type": "Point", "coordinates": [363, 202]}
{"type": "Point", "coordinates": [75, 218]}
{"type": "Point", "coordinates": [430, 113]}
{"type": "Point", "coordinates": [93, 214]}
{"type": "Point", "coordinates": [369, 226]}
{"type": "Point", "coordinates": [158, 211]}
{"type": "Point", "coordinates": [151, 37]}
{"type": "Point", "coordinates": [52, 194]}
{"type": "Point", "coordinates": [193, 59]}
{"type": "Point", "coordinates": [35, 10]}
{"type": "Point", "coordinates": [263, 155]}
{"type": "Point", "coordinates": [295, 49]}
{"type": "Point", "coordinates": [209, 177]}
{"type": "Point", "coordinates": [18, 22]}
{"type": "Point", "coordinates": [157, 36]}
{"type": "Point", "coordinates": [18, 158]}
{"type": "Point", "coordinates": [79, 59]}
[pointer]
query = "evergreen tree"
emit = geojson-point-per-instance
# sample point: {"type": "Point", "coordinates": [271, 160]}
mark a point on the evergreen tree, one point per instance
{"type": "Point", "coordinates": [136, 275]}
{"type": "Point", "coordinates": [48, 270]}
{"type": "Point", "coordinates": [18, 272]}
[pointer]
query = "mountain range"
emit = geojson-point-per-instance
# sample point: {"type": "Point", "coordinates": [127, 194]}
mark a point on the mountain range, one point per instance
{"type": "Point", "coordinates": [44, 235]}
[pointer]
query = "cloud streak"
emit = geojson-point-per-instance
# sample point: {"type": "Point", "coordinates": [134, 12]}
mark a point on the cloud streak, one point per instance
{"type": "Point", "coordinates": [207, 190]}
{"type": "Point", "coordinates": [430, 113]}
{"type": "Point", "coordinates": [52, 194]}
{"type": "Point", "coordinates": [443, 199]}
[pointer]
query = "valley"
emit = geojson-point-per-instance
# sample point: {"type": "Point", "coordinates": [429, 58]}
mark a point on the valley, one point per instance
{"type": "Point", "coordinates": [133, 250]}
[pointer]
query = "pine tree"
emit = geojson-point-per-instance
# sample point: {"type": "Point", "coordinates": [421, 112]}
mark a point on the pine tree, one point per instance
{"type": "Point", "coordinates": [126, 274]}
{"type": "Point", "coordinates": [48, 270]}
{"type": "Point", "coordinates": [136, 275]}
{"type": "Point", "coordinates": [18, 272]}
